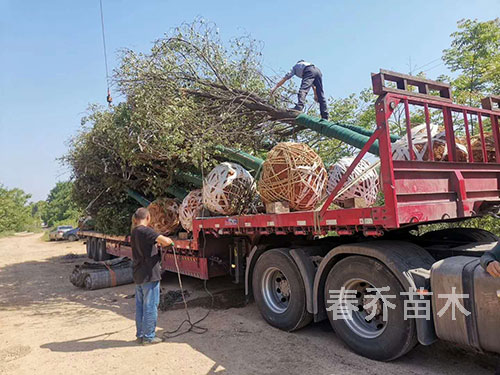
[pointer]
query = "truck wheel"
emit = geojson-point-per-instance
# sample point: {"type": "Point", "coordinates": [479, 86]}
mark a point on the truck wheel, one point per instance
{"type": "Point", "coordinates": [87, 246]}
{"type": "Point", "coordinates": [379, 339]}
{"type": "Point", "coordinates": [101, 253]}
{"type": "Point", "coordinates": [279, 291]}
{"type": "Point", "coordinates": [93, 248]}
{"type": "Point", "coordinates": [461, 235]}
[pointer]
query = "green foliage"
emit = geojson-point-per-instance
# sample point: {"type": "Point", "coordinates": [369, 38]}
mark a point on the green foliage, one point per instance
{"type": "Point", "coordinates": [181, 102]}
{"type": "Point", "coordinates": [173, 120]}
{"type": "Point", "coordinates": [60, 207]}
{"type": "Point", "coordinates": [115, 218]}
{"type": "Point", "coordinates": [475, 54]}
{"type": "Point", "coordinates": [16, 213]}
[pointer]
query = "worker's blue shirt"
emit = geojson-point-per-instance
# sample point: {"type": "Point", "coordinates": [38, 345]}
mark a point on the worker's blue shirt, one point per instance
{"type": "Point", "coordinates": [298, 69]}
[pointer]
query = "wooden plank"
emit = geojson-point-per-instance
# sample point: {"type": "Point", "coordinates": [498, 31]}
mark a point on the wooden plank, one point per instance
{"type": "Point", "coordinates": [183, 235]}
{"type": "Point", "coordinates": [277, 208]}
{"type": "Point", "coordinates": [356, 202]}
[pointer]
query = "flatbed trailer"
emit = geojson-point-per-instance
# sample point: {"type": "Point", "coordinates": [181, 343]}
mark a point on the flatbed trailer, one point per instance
{"type": "Point", "coordinates": [290, 263]}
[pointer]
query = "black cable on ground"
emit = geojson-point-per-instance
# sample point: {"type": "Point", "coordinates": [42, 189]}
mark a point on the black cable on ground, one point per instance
{"type": "Point", "coordinates": [192, 326]}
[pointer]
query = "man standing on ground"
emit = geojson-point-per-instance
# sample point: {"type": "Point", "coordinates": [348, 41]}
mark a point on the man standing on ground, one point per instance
{"type": "Point", "coordinates": [147, 275]}
{"type": "Point", "coordinates": [311, 77]}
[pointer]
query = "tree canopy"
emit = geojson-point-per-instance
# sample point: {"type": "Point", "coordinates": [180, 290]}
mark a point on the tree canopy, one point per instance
{"type": "Point", "coordinates": [475, 54]}
{"type": "Point", "coordinates": [191, 93]}
{"type": "Point", "coordinates": [60, 207]}
{"type": "Point", "coordinates": [16, 212]}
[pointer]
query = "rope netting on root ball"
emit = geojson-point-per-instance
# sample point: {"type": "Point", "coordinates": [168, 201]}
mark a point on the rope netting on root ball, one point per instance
{"type": "Point", "coordinates": [190, 208]}
{"type": "Point", "coordinates": [364, 180]}
{"type": "Point", "coordinates": [293, 173]}
{"type": "Point", "coordinates": [229, 189]}
{"type": "Point", "coordinates": [164, 215]}
{"type": "Point", "coordinates": [401, 151]}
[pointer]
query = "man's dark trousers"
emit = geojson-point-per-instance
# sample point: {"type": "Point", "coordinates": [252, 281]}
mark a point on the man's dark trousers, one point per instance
{"type": "Point", "coordinates": [312, 77]}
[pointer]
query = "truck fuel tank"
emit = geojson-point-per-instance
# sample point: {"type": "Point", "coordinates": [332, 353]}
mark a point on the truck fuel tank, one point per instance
{"type": "Point", "coordinates": [466, 303]}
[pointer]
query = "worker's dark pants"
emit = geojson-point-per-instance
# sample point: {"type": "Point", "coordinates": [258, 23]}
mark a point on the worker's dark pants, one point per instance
{"type": "Point", "coordinates": [312, 77]}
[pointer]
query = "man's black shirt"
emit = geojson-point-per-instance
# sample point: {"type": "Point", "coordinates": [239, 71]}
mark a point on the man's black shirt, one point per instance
{"type": "Point", "coordinates": [145, 254]}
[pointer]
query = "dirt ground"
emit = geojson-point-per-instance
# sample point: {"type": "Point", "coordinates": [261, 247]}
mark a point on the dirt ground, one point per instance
{"type": "Point", "coordinates": [48, 326]}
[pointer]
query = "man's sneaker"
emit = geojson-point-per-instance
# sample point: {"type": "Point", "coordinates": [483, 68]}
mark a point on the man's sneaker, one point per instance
{"type": "Point", "coordinates": [155, 340]}
{"type": "Point", "coordinates": [138, 340]}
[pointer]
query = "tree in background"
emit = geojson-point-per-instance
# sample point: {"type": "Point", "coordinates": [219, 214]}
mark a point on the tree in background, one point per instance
{"type": "Point", "coordinates": [60, 207]}
{"type": "Point", "coordinates": [16, 212]}
{"type": "Point", "coordinates": [475, 54]}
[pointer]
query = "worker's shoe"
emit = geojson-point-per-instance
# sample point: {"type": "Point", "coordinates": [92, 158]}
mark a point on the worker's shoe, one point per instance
{"type": "Point", "coordinates": [139, 340]}
{"type": "Point", "coordinates": [155, 340]}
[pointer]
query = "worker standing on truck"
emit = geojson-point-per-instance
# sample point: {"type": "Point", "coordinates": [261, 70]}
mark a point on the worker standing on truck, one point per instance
{"type": "Point", "coordinates": [311, 77]}
{"type": "Point", "coordinates": [491, 261]}
{"type": "Point", "coordinates": [147, 275]}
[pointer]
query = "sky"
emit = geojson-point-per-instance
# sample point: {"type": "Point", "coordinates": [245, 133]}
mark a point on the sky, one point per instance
{"type": "Point", "coordinates": [52, 64]}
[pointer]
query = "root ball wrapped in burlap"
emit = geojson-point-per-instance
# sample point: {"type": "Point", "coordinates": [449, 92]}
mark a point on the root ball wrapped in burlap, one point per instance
{"type": "Point", "coordinates": [366, 183]}
{"type": "Point", "coordinates": [293, 173]}
{"type": "Point", "coordinates": [164, 215]}
{"type": "Point", "coordinates": [229, 189]}
{"type": "Point", "coordinates": [401, 151]}
{"type": "Point", "coordinates": [477, 151]}
{"type": "Point", "coordinates": [190, 208]}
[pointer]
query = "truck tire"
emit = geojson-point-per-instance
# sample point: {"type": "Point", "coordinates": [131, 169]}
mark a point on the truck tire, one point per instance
{"type": "Point", "coordinates": [101, 253]}
{"type": "Point", "coordinates": [461, 235]}
{"type": "Point", "coordinates": [93, 248]}
{"type": "Point", "coordinates": [105, 255]}
{"type": "Point", "coordinates": [376, 339]}
{"type": "Point", "coordinates": [279, 291]}
{"type": "Point", "coordinates": [87, 246]}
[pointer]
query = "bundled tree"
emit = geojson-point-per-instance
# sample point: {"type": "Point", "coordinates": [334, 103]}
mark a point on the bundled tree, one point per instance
{"type": "Point", "coordinates": [204, 91]}
{"type": "Point", "coordinates": [189, 95]}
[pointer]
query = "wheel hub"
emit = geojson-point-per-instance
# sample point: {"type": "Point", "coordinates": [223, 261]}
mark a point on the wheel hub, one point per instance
{"type": "Point", "coordinates": [367, 321]}
{"type": "Point", "coordinates": [369, 307]}
{"type": "Point", "coordinates": [275, 290]}
{"type": "Point", "coordinates": [284, 286]}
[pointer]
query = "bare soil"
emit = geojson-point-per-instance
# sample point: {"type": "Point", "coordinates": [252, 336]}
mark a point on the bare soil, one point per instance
{"type": "Point", "coordinates": [48, 326]}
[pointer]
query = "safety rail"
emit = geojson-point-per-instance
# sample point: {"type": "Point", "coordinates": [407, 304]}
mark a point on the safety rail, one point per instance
{"type": "Point", "coordinates": [437, 184]}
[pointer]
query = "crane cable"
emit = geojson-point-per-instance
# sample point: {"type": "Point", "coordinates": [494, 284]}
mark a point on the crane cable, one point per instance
{"type": "Point", "coordinates": [109, 99]}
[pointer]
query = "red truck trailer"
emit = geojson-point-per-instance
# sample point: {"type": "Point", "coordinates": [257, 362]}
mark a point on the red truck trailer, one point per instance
{"type": "Point", "coordinates": [309, 265]}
